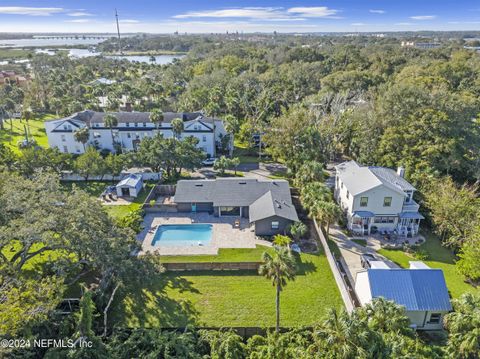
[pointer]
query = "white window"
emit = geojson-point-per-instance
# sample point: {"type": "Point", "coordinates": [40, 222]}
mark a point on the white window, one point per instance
{"type": "Point", "coordinates": [136, 124]}
{"type": "Point", "coordinates": [144, 124]}
{"type": "Point", "coordinates": [65, 127]}
{"type": "Point", "coordinates": [77, 149]}
{"type": "Point", "coordinates": [69, 127]}
{"type": "Point", "coordinates": [63, 138]}
{"type": "Point", "coordinates": [127, 124]}
{"type": "Point", "coordinates": [363, 201]}
{"type": "Point", "coordinates": [348, 194]}
{"type": "Point", "coordinates": [204, 138]}
{"type": "Point", "coordinates": [275, 225]}
{"type": "Point", "coordinates": [128, 135]}
{"type": "Point", "coordinates": [65, 149]}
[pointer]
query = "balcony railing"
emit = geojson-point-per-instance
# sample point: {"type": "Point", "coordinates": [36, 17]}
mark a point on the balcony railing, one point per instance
{"type": "Point", "coordinates": [411, 206]}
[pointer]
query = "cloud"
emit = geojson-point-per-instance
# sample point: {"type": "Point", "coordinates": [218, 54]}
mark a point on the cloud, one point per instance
{"type": "Point", "coordinates": [128, 21]}
{"type": "Point", "coordinates": [403, 23]}
{"type": "Point", "coordinates": [32, 11]}
{"type": "Point", "coordinates": [423, 17]}
{"type": "Point", "coordinates": [263, 13]}
{"type": "Point", "coordinates": [358, 24]}
{"type": "Point", "coordinates": [246, 12]}
{"type": "Point", "coordinates": [79, 13]}
{"type": "Point", "coordinates": [378, 11]}
{"type": "Point", "coordinates": [318, 11]}
{"type": "Point", "coordinates": [78, 21]}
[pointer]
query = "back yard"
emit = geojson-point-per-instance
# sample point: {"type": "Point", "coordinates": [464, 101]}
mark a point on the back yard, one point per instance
{"type": "Point", "coordinates": [225, 299]}
{"type": "Point", "coordinates": [12, 134]}
{"type": "Point", "coordinates": [438, 257]}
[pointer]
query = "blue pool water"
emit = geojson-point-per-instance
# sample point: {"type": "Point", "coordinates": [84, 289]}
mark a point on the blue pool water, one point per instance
{"type": "Point", "coordinates": [183, 235]}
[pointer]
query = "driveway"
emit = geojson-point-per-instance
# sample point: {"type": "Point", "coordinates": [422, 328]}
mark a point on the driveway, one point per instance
{"type": "Point", "coordinates": [351, 252]}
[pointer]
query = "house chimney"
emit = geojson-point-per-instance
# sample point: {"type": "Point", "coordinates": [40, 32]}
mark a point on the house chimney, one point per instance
{"type": "Point", "coordinates": [401, 171]}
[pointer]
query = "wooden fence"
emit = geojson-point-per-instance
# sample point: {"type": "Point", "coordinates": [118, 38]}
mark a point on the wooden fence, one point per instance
{"type": "Point", "coordinates": [207, 266]}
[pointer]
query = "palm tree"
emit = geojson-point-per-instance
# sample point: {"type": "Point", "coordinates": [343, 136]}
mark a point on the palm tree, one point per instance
{"type": "Point", "coordinates": [282, 241]}
{"type": "Point", "coordinates": [463, 326]}
{"type": "Point", "coordinates": [156, 116]}
{"type": "Point", "coordinates": [279, 268]}
{"type": "Point", "coordinates": [343, 335]}
{"type": "Point", "coordinates": [111, 121]}
{"type": "Point", "coordinates": [298, 230]}
{"type": "Point", "coordinates": [82, 135]}
{"type": "Point", "coordinates": [177, 127]}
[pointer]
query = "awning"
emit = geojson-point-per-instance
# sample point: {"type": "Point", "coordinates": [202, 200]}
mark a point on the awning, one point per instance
{"type": "Point", "coordinates": [411, 215]}
{"type": "Point", "coordinates": [363, 214]}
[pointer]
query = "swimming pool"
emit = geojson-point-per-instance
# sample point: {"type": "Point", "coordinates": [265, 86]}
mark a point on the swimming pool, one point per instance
{"type": "Point", "coordinates": [183, 235]}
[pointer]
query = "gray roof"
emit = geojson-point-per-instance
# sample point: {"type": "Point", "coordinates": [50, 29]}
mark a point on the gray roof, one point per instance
{"type": "Point", "coordinates": [359, 179]}
{"type": "Point", "coordinates": [267, 206]}
{"type": "Point", "coordinates": [265, 198]}
{"type": "Point", "coordinates": [90, 117]}
{"type": "Point", "coordinates": [416, 289]}
{"type": "Point", "coordinates": [131, 180]}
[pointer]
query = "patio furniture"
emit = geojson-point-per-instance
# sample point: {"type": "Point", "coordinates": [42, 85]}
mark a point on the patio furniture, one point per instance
{"type": "Point", "coordinates": [237, 223]}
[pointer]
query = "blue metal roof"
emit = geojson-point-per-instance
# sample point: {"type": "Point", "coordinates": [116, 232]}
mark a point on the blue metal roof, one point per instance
{"type": "Point", "coordinates": [416, 289]}
{"type": "Point", "coordinates": [364, 214]}
{"type": "Point", "coordinates": [412, 215]}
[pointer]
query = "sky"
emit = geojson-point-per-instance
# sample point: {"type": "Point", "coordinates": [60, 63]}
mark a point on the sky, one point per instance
{"type": "Point", "coordinates": [219, 16]}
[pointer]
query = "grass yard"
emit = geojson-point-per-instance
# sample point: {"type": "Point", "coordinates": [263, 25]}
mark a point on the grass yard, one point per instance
{"type": "Point", "coordinates": [438, 257]}
{"type": "Point", "coordinates": [12, 135]}
{"type": "Point", "coordinates": [14, 54]}
{"type": "Point", "coordinates": [224, 255]}
{"type": "Point", "coordinates": [122, 211]}
{"type": "Point", "coordinates": [362, 242]}
{"type": "Point", "coordinates": [95, 189]}
{"type": "Point", "coordinates": [226, 299]}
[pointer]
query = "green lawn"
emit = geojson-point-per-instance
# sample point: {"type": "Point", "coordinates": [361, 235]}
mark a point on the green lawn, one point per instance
{"type": "Point", "coordinates": [225, 299]}
{"type": "Point", "coordinates": [11, 135]}
{"type": "Point", "coordinates": [439, 257]}
{"type": "Point", "coordinates": [362, 242]}
{"type": "Point", "coordinates": [95, 189]}
{"type": "Point", "coordinates": [122, 211]}
{"type": "Point", "coordinates": [224, 255]}
{"type": "Point", "coordinates": [14, 54]}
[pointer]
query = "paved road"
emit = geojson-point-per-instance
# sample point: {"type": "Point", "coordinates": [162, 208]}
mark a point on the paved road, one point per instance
{"type": "Point", "coordinates": [250, 170]}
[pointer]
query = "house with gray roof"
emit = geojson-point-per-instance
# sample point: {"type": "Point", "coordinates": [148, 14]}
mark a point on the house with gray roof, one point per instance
{"type": "Point", "coordinates": [421, 290]}
{"type": "Point", "coordinates": [266, 204]}
{"type": "Point", "coordinates": [376, 199]}
{"type": "Point", "coordinates": [132, 127]}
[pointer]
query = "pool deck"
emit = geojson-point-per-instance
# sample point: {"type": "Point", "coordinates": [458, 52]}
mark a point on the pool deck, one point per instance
{"type": "Point", "coordinates": [224, 235]}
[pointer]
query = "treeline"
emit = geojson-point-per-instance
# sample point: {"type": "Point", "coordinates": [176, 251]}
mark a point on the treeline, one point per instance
{"type": "Point", "coordinates": [378, 330]}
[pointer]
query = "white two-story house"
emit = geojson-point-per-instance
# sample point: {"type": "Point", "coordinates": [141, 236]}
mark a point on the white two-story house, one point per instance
{"type": "Point", "coordinates": [376, 199]}
{"type": "Point", "coordinates": [132, 127]}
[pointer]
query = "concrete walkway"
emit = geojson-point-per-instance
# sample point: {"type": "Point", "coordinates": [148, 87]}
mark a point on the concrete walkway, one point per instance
{"type": "Point", "coordinates": [351, 252]}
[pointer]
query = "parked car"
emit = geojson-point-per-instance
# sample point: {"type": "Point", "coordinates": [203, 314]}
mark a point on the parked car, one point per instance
{"type": "Point", "coordinates": [209, 161]}
{"type": "Point", "coordinates": [366, 258]}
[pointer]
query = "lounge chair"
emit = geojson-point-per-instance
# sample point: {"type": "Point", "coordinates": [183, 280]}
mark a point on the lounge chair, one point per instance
{"type": "Point", "coordinates": [237, 223]}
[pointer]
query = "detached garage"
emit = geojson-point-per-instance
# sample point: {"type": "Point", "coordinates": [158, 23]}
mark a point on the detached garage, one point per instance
{"type": "Point", "coordinates": [130, 186]}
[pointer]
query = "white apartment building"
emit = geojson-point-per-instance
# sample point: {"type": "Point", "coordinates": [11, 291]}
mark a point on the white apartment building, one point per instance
{"type": "Point", "coordinates": [131, 129]}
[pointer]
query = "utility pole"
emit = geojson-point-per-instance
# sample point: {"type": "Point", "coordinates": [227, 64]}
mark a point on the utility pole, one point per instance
{"type": "Point", "coordinates": [118, 32]}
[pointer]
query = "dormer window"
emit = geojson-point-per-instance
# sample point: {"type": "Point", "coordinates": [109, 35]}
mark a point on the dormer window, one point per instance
{"type": "Point", "coordinates": [136, 124]}
{"type": "Point", "coordinates": [127, 124]}
{"type": "Point", "coordinates": [144, 124]}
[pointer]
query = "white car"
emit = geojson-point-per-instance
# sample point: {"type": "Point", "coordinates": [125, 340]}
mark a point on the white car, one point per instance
{"type": "Point", "coordinates": [209, 161]}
